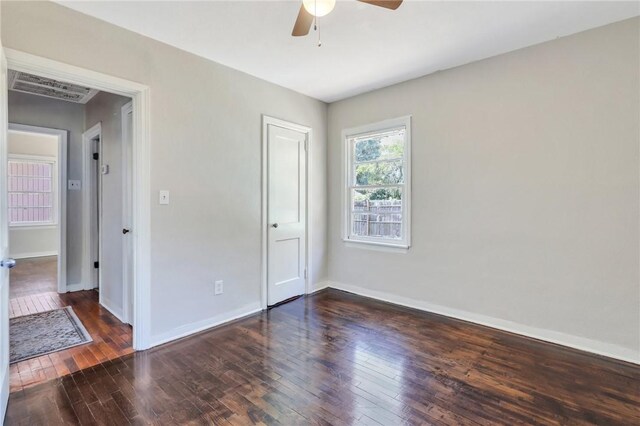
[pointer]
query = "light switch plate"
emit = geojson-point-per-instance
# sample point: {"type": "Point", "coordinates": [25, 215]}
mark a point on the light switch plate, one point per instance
{"type": "Point", "coordinates": [164, 197]}
{"type": "Point", "coordinates": [74, 185]}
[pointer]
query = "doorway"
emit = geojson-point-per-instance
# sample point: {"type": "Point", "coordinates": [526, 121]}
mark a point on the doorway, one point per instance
{"type": "Point", "coordinates": [284, 207]}
{"type": "Point", "coordinates": [141, 199]}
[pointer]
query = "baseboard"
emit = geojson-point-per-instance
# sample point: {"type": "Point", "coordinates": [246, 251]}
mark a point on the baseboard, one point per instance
{"type": "Point", "coordinates": [108, 305]}
{"type": "Point", "coordinates": [319, 286]}
{"type": "Point", "coordinates": [600, 348]}
{"type": "Point", "coordinates": [4, 393]}
{"type": "Point", "coordinates": [75, 287]}
{"type": "Point", "coordinates": [198, 326]}
{"type": "Point", "coordinates": [34, 254]}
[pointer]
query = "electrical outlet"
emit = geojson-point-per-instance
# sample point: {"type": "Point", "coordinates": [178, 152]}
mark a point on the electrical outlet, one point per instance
{"type": "Point", "coordinates": [219, 287]}
{"type": "Point", "coordinates": [74, 185]}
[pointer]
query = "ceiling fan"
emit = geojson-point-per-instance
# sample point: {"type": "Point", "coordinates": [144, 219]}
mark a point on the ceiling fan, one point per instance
{"type": "Point", "coordinates": [312, 9]}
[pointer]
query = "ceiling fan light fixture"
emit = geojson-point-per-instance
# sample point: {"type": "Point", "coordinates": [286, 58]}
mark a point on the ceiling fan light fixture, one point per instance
{"type": "Point", "coordinates": [319, 8]}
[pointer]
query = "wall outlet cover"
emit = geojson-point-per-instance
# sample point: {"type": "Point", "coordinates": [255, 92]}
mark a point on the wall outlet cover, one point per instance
{"type": "Point", "coordinates": [219, 287]}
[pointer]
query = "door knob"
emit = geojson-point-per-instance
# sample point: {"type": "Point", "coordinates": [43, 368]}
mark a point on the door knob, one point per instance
{"type": "Point", "coordinates": [8, 263]}
{"type": "Point", "coordinates": [125, 230]}
{"type": "Point", "coordinates": [275, 225]}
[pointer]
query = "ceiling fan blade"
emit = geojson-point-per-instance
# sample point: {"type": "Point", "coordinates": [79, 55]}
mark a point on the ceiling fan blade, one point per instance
{"type": "Point", "coordinates": [303, 23]}
{"type": "Point", "coordinates": [387, 4]}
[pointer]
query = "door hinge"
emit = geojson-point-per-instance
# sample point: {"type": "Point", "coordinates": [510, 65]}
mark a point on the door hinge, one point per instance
{"type": "Point", "coordinates": [96, 265]}
{"type": "Point", "coordinates": [96, 155]}
{"type": "Point", "coordinates": [305, 273]}
{"type": "Point", "coordinates": [306, 144]}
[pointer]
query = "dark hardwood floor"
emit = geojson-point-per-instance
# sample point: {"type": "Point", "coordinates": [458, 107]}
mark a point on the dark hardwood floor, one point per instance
{"type": "Point", "coordinates": [336, 358]}
{"type": "Point", "coordinates": [32, 289]}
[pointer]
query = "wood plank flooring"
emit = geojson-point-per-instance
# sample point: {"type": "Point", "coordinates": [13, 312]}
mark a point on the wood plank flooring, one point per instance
{"type": "Point", "coordinates": [34, 276]}
{"type": "Point", "coordinates": [337, 358]}
{"type": "Point", "coordinates": [111, 338]}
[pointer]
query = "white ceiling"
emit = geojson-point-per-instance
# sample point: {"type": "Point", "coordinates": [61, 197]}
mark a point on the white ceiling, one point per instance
{"type": "Point", "coordinates": [363, 47]}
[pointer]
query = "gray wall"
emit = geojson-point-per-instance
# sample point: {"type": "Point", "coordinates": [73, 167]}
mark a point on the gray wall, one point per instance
{"type": "Point", "coordinates": [525, 191]}
{"type": "Point", "coordinates": [46, 112]}
{"type": "Point", "coordinates": [205, 149]}
{"type": "Point", "coordinates": [105, 108]}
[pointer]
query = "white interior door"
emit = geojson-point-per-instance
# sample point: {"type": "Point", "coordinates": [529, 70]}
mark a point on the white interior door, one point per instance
{"type": "Point", "coordinates": [4, 243]}
{"type": "Point", "coordinates": [286, 215]}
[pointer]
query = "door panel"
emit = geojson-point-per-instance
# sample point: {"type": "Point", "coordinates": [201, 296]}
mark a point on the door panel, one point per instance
{"type": "Point", "coordinates": [4, 242]}
{"type": "Point", "coordinates": [286, 216]}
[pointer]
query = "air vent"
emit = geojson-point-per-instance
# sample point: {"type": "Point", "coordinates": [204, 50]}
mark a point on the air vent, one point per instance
{"type": "Point", "coordinates": [41, 86]}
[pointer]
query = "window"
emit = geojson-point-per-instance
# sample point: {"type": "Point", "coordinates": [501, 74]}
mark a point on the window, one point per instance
{"type": "Point", "coordinates": [31, 192]}
{"type": "Point", "coordinates": [378, 183]}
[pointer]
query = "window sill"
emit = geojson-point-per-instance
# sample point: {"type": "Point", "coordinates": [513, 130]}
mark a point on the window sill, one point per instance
{"type": "Point", "coordinates": [376, 246]}
{"type": "Point", "coordinates": [32, 227]}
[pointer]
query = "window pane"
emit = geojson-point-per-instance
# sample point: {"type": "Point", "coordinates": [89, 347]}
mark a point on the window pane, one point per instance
{"type": "Point", "coordinates": [382, 173]}
{"type": "Point", "coordinates": [377, 213]}
{"type": "Point", "coordinates": [30, 192]}
{"type": "Point", "coordinates": [382, 146]}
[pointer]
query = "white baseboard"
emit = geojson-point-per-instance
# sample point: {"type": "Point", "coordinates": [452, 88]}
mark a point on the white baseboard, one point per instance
{"type": "Point", "coordinates": [34, 254]}
{"type": "Point", "coordinates": [195, 327]}
{"type": "Point", "coordinates": [109, 306]}
{"type": "Point", "coordinates": [75, 287]}
{"type": "Point", "coordinates": [600, 348]}
{"type": "Point", "coordinates": [319, 286]}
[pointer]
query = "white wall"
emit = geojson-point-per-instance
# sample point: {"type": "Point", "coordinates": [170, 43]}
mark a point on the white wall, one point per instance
{"type": "Point", "coordinates": [525, 192]}
{"type": "Point", "coordinates": [205, 149]}
{"type": "Point", "coordinates": [33, 241]}
{"type": "Point", "coordinates": [105, 108]}
{"type": "Point", "coordinates": [45, 112]}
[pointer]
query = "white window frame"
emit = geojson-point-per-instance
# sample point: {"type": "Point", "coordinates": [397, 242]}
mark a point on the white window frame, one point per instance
{"type": "Point", "coordinates": [54, 189]}
{"type": "Point", "coordinates": [379, 127]}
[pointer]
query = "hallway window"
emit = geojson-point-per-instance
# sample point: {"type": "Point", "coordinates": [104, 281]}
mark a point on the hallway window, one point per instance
{"type": "Point", "coordinates": [31, 195]}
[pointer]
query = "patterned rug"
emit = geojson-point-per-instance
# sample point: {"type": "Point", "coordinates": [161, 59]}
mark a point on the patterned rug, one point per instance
{"type": "Point", "coordinates": [45, 332]}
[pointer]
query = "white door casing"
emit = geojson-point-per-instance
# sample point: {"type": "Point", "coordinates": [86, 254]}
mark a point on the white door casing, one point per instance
{"type": "Point", "coordinates": [127, 246]}
{"type": "Point", "coordinates": [141, 171]}
{"type": "Point", "coordinates": [90, 212]}
{"type": "Point", "coordinates": [286, 213]}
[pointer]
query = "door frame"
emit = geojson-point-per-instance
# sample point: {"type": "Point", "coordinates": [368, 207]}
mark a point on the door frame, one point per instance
{"type": "Point", "coordinates": [266, 121]}
{"type": "Point", "coordinates": [141, 174]}
{"type": "Point", "coordinates": [61, 196]}
{"type": "Point", "coordinates": [89, 235]}
{"type": "Point", "coordinates": [126, 211]}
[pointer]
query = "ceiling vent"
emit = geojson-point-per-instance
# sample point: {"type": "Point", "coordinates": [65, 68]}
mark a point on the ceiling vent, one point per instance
{"type": "Point", "coordinates": [41, 86]}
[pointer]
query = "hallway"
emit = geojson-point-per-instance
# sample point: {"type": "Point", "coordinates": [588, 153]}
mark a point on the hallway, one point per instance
{"type": "Point", "coordinates": [32, 290]}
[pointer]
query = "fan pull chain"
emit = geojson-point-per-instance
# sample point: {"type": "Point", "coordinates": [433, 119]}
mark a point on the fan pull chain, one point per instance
{"type": "Point", "coordinates": [316, 27]}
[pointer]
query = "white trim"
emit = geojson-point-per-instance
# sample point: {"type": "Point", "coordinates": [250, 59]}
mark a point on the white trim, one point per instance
{"type": "Point", "coordinates": [321, 285]}
{"type": "Point", "coordinates": [35, 254]}
{"type": "Point", "coordinates": [381, 126]}
{"type": "Point", "coordinates": [88, 207]}
{"type": "Point", "coordinates": [126, 211]}
{"type": "Point", "coordinates": [266, 121]}
{"type": "Point", "coordinates": [108, 305]}
{"type": "Point", "coordinates": [141, 228]}
{"type": "Point", "coordinates": [75, 287]}
{"type": "Point", "coordinates": [600, 348]}
{"type": "Point", "coordinates": [198, 326]}
{"type": "Point", "coordinates": [61, 195]}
